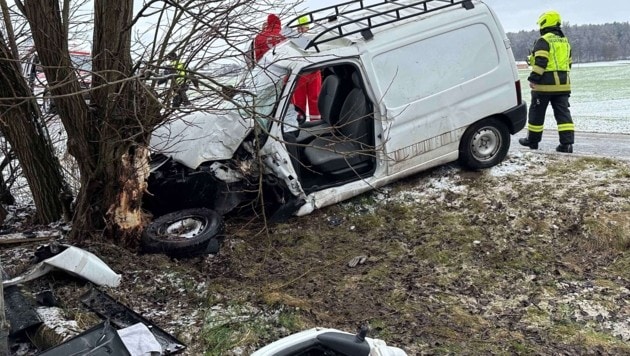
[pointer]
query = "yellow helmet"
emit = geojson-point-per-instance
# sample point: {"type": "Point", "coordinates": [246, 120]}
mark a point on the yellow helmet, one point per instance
{"type": "Point", "coordinates": [549, 18]}
{"type": "Point", "coordinates": [303, 20]}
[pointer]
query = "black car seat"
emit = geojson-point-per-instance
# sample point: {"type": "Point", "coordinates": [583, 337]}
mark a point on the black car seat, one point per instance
{"type": "Point", "coordinates": [335, 88]}
{"type": "Point", "coordinates": [348, 150]}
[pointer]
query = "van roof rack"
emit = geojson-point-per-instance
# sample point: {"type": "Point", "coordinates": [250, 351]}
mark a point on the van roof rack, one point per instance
{"type": "Point", "coordinates": [340, 24]}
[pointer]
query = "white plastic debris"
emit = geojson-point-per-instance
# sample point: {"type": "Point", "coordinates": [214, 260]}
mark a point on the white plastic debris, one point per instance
{"type": "Point", "coordinates": [75, 261]}
{"type": "Point", "coordinates": [139, 340]}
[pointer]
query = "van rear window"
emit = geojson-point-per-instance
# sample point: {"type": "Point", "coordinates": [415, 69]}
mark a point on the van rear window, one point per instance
{"type": "Point", "coordinates": [432, 65]}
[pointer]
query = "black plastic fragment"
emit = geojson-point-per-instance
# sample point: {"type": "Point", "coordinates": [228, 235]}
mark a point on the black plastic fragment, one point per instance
{"type": "Point", "coordinates": [286, 211]}
{"type": "Point", "coordinates": [18, 310]}
{"type": "Point", "coordinates": [121, 317]}
{"type": "Point", "coordinates": [101, 340]}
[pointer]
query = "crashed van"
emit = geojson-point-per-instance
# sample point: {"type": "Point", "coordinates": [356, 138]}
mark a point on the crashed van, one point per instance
{"type": "Point", "coordinates": [407, 85]}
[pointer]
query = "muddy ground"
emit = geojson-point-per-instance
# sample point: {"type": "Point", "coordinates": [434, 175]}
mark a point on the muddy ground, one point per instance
{"type": "Point", "coordinates": [530, 257]}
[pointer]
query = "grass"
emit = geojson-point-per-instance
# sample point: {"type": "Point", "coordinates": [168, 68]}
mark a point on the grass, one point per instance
{"type": "Point", "coordinates": [447, 274]}
{"type": "Point", "coordinates": [492, 265]}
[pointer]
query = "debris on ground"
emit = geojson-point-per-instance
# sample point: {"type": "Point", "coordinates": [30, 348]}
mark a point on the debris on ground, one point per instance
{"type": "Point", "coordinates": [75, 261]}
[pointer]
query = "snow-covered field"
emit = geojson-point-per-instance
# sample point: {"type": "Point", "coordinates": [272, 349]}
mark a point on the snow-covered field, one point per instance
{"type": "Point", "coordinates": [600, 99]}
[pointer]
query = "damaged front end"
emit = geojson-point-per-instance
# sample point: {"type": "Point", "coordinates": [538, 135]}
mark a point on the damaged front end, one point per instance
{"type": "Point", "coordinates": [207, 164]}
{"type": "Point", "coordinates": [220, 186]}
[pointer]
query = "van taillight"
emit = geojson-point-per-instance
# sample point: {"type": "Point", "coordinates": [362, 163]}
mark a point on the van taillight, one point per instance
{"type": "Point", "coordinates": [519, 97]}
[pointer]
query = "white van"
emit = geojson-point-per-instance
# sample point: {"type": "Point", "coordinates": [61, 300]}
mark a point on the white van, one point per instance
{"type": "Point", "coordinates": [407, 85]}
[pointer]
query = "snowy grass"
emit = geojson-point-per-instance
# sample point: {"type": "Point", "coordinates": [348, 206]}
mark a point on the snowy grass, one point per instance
{"type": "Point", "coordinates": [600, 98]}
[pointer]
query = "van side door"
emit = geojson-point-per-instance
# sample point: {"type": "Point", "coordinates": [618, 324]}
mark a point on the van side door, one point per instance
{"type": "Point", "coordinates": [434, 84]}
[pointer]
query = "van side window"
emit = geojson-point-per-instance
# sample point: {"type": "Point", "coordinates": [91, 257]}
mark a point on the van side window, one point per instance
{"type": "Point", "coordinates": [434, 64]}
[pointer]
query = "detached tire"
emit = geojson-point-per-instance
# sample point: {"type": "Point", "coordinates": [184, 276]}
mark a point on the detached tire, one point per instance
{"type": "Point", "coordinates": [184, 233]}
{"type": "Point", "coordinates": [484, 144]}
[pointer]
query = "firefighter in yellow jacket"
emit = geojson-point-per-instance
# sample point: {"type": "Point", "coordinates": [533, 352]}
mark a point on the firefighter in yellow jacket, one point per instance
{"type": "Point", "coordinates": [550, 83]}
{"type": "Point", "coordinates": [181, 81]}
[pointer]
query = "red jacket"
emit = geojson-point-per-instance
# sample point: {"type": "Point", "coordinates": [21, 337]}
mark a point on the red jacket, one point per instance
{"type": "Point", "coordinates": [268, 37]}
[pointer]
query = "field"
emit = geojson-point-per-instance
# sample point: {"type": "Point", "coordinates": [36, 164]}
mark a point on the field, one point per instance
{"type": "Point", "coordinates": [600, 99]}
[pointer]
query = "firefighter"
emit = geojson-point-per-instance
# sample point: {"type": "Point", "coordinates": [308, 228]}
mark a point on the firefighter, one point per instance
{"type": "Point", "coordinates": [181, 80]}
{"type": "Point", "coordinates": [550, 83]}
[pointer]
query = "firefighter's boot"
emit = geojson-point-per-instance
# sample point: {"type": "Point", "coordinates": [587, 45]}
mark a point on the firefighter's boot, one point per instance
{"type": "Point", "coordinates": [526, 142]}
{"type": "Point", "coordinates": [568, 148]}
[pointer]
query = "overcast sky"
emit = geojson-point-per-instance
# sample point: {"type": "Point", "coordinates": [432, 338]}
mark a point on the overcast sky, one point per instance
{"type": "Point", "coordinates": [516, 15]}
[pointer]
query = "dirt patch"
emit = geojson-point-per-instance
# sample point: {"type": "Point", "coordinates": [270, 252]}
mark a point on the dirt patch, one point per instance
{"type": "Point", "coordinates": [529, 257]}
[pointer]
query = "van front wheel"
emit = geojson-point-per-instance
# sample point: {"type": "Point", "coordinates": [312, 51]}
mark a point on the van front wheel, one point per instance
{"type": "Point", "coordinates": [484, 144]}
{"type": "Point", "coordinates": [184, 233]}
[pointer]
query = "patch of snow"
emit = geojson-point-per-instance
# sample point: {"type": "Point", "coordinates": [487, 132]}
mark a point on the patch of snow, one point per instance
{"type": "Point", "coordinates": [591, 310]}
{"type": "Point", "coordinates": [515, 163]}
{"type": "Point", "coordinates": [621, 330]}
{"type": "Point", "coordinates": [54, 319]}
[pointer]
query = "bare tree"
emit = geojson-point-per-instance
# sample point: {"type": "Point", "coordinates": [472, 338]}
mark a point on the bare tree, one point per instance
{"type": "Point", "coordinates": [19, 124]}
{"type": "Point", "coordinates": [108, 138]}
{"type": "Point", "coordinates": [109, 134]}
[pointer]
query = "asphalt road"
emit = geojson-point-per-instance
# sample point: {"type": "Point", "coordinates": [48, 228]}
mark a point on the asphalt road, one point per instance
{"type": "Point", "coordinates": [586, 143]}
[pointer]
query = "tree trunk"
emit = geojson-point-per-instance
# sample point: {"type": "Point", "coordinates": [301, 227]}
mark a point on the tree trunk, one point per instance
{"type": "Point", "coordinates": [5, 193]}
{"type": "Point", "coordinates": [110, 140]}
{"type": "Point", "coordinates": [19, 118]}
{"type": "Point", "coordinates": [4, 325]}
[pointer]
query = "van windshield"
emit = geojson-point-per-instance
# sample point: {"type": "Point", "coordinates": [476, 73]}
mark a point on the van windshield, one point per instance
{"type": "Point", "coordinates": [263, 88]}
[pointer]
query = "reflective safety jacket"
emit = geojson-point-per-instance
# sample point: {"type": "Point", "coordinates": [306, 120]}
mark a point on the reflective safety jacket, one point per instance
{"type": "Point", "coordinates": [181, 71]}
{"type": "Point", "coordinates": [552, 62]}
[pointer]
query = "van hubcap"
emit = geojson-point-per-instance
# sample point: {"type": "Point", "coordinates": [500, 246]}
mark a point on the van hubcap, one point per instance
{"type": "Point", "coordinates": [486, 143]}
{"type": "Point", "coordinates": [185, 228]}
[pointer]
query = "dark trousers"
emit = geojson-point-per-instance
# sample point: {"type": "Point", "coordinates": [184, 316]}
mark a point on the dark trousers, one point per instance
{"type": "Point", "coordinates": [538, 108]}
{"type": "Point", "coordinates": [181, 97]}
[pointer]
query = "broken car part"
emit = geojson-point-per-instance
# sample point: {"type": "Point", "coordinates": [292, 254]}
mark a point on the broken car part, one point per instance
{"type": "Point", "coordinates": [75, 261]}
{"type": "Point", "coordinates": [18, 310]}
{"type": "Point", "coordinates": [100, 340]}
{"type": "Point", "coordinates": [322, 341]}
{"type": "Point", "coordinates": [121, 316]}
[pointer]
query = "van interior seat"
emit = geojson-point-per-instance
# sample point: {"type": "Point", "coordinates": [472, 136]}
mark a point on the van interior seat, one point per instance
{"type": "Point", "coordinates": [330, 100]}
{"type": "Point", "coordinates": [348, 149]}
{"type": "Point", "coordinates": [335, 88]}
{"type": "Point", "coordinates": [334, 92]}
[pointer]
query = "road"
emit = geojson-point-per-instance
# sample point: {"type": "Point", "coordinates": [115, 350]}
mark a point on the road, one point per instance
{"type": "Point", "coordinates": [586, 143]}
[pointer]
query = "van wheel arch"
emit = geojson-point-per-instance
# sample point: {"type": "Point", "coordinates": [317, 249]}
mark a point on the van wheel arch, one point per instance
{"type": "Point", "coordinates": [484, 144]}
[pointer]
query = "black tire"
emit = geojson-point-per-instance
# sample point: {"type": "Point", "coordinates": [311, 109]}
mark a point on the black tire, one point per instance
{"type": "Point", "coordinates": [484, 144]}
{"type": "Point", "coordinates": [184, 233]}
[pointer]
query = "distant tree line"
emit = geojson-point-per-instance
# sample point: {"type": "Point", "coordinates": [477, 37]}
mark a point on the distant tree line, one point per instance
{"type": "Point", "coordinates": [590, 43]}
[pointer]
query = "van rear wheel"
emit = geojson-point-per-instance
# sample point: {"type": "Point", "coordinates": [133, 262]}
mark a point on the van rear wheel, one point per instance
{"type": "Point", "coordinates": [484, 144]}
